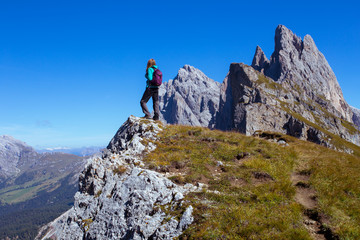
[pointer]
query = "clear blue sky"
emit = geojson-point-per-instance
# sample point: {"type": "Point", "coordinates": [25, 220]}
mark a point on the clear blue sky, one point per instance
{"type": "Point", "coordinates": [71, 72]}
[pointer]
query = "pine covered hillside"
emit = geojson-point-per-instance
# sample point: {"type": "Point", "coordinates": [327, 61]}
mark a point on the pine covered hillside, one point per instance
{"type": "Point", "coordinates": [225, 185]}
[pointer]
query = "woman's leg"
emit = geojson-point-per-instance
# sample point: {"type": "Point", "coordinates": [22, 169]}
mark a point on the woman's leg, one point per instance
{"type": "Point", "coordinates": [145, 98]}
{"type": "Point", "coordinates": [155, 98]}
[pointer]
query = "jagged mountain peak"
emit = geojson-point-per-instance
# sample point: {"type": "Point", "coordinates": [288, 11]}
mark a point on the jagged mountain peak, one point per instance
{"type": "Point", "coordinates": [189, 68]}
{"type": "Point", "coordinates": [270, 95]}
{"type": "Point", "coordinates": [288, 41]}
{"type": "Point", "coordinates": [301, 65]}
{"type": "Point", "coordinates": [260, 61]}
{"type": "Point", "coordinates": [191, 98]}
{"type": "Point", "coordinates": [284, 38]}
{"type": "Point", "coordinates": [191, 74]}
{"type": "Point", "coordinates": [309, 43]}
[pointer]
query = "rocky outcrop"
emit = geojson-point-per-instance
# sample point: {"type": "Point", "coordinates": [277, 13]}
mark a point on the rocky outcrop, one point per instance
{"type": "Point", "coordinates": [119, 199]}
{"type": "Point", "coordinates": [191, 98]}
{"type": "Point", "coordinates": [252, 102]}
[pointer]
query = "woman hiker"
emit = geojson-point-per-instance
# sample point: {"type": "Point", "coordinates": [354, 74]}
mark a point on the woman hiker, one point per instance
{"type": "Point", "coordinates": [152, 89]}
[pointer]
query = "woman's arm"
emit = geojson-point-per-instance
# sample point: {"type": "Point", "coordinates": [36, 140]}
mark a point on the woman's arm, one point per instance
{"type": "Point", "coordinates": [150, 73]}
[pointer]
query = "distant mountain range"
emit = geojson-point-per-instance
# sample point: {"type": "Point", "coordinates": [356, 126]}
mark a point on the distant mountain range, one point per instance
{"type": "Point", "coordinates": [41, 183]}
{"type": "Point", "coordinates": [17, 160]}
{"type": "Point", "coordinates": [82, 151]}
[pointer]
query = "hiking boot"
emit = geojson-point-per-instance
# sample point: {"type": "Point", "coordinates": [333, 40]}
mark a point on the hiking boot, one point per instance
{"type": "Point", "coordinates": [155, 118]}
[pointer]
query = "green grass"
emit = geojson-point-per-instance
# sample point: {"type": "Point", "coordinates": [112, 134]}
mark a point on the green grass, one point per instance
{"type": "Point", "coordinates": [236, 204]}
{"type": "Point", "coordinates": [351, 128]}
{"type": "Point", "coordinates": [25, 185]}
{"type": "Point", "coordinates": [19, 193]}
{"type": "Point", "coordinates": [335, 176]}
{"type": "Point", "coordinates": [269, 83]}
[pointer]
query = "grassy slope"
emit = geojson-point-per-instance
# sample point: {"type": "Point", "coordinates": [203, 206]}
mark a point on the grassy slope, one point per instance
{"type": "Point", "coordinates": [252, 197]}
{"type": "Point", "coordinates": [28, 190]}
{"type": "Point", "coordinates": [47, 175]}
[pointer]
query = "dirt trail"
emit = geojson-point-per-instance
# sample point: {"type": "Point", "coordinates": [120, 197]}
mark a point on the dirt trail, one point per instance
{"type": "Point", "coordinates": [306, 196]}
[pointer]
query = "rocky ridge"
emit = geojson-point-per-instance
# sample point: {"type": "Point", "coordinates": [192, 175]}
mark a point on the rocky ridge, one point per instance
{"type": "Point", "coordinates": [257, 103]}
{"type": "Point", "coordinates": [295, 92]}
{"type": "Point", "coordinates": [119, 199]}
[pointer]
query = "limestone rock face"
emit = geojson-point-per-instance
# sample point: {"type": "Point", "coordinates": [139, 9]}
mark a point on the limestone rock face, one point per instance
{"type": "Point", "coordinates": [191, 98]}
{"type": "Point", "coordinates": [251, 102]}
{"type": "Point", "coordinates": [119, 199]}
{"type": "Point", "coordinates": [299, 64]}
